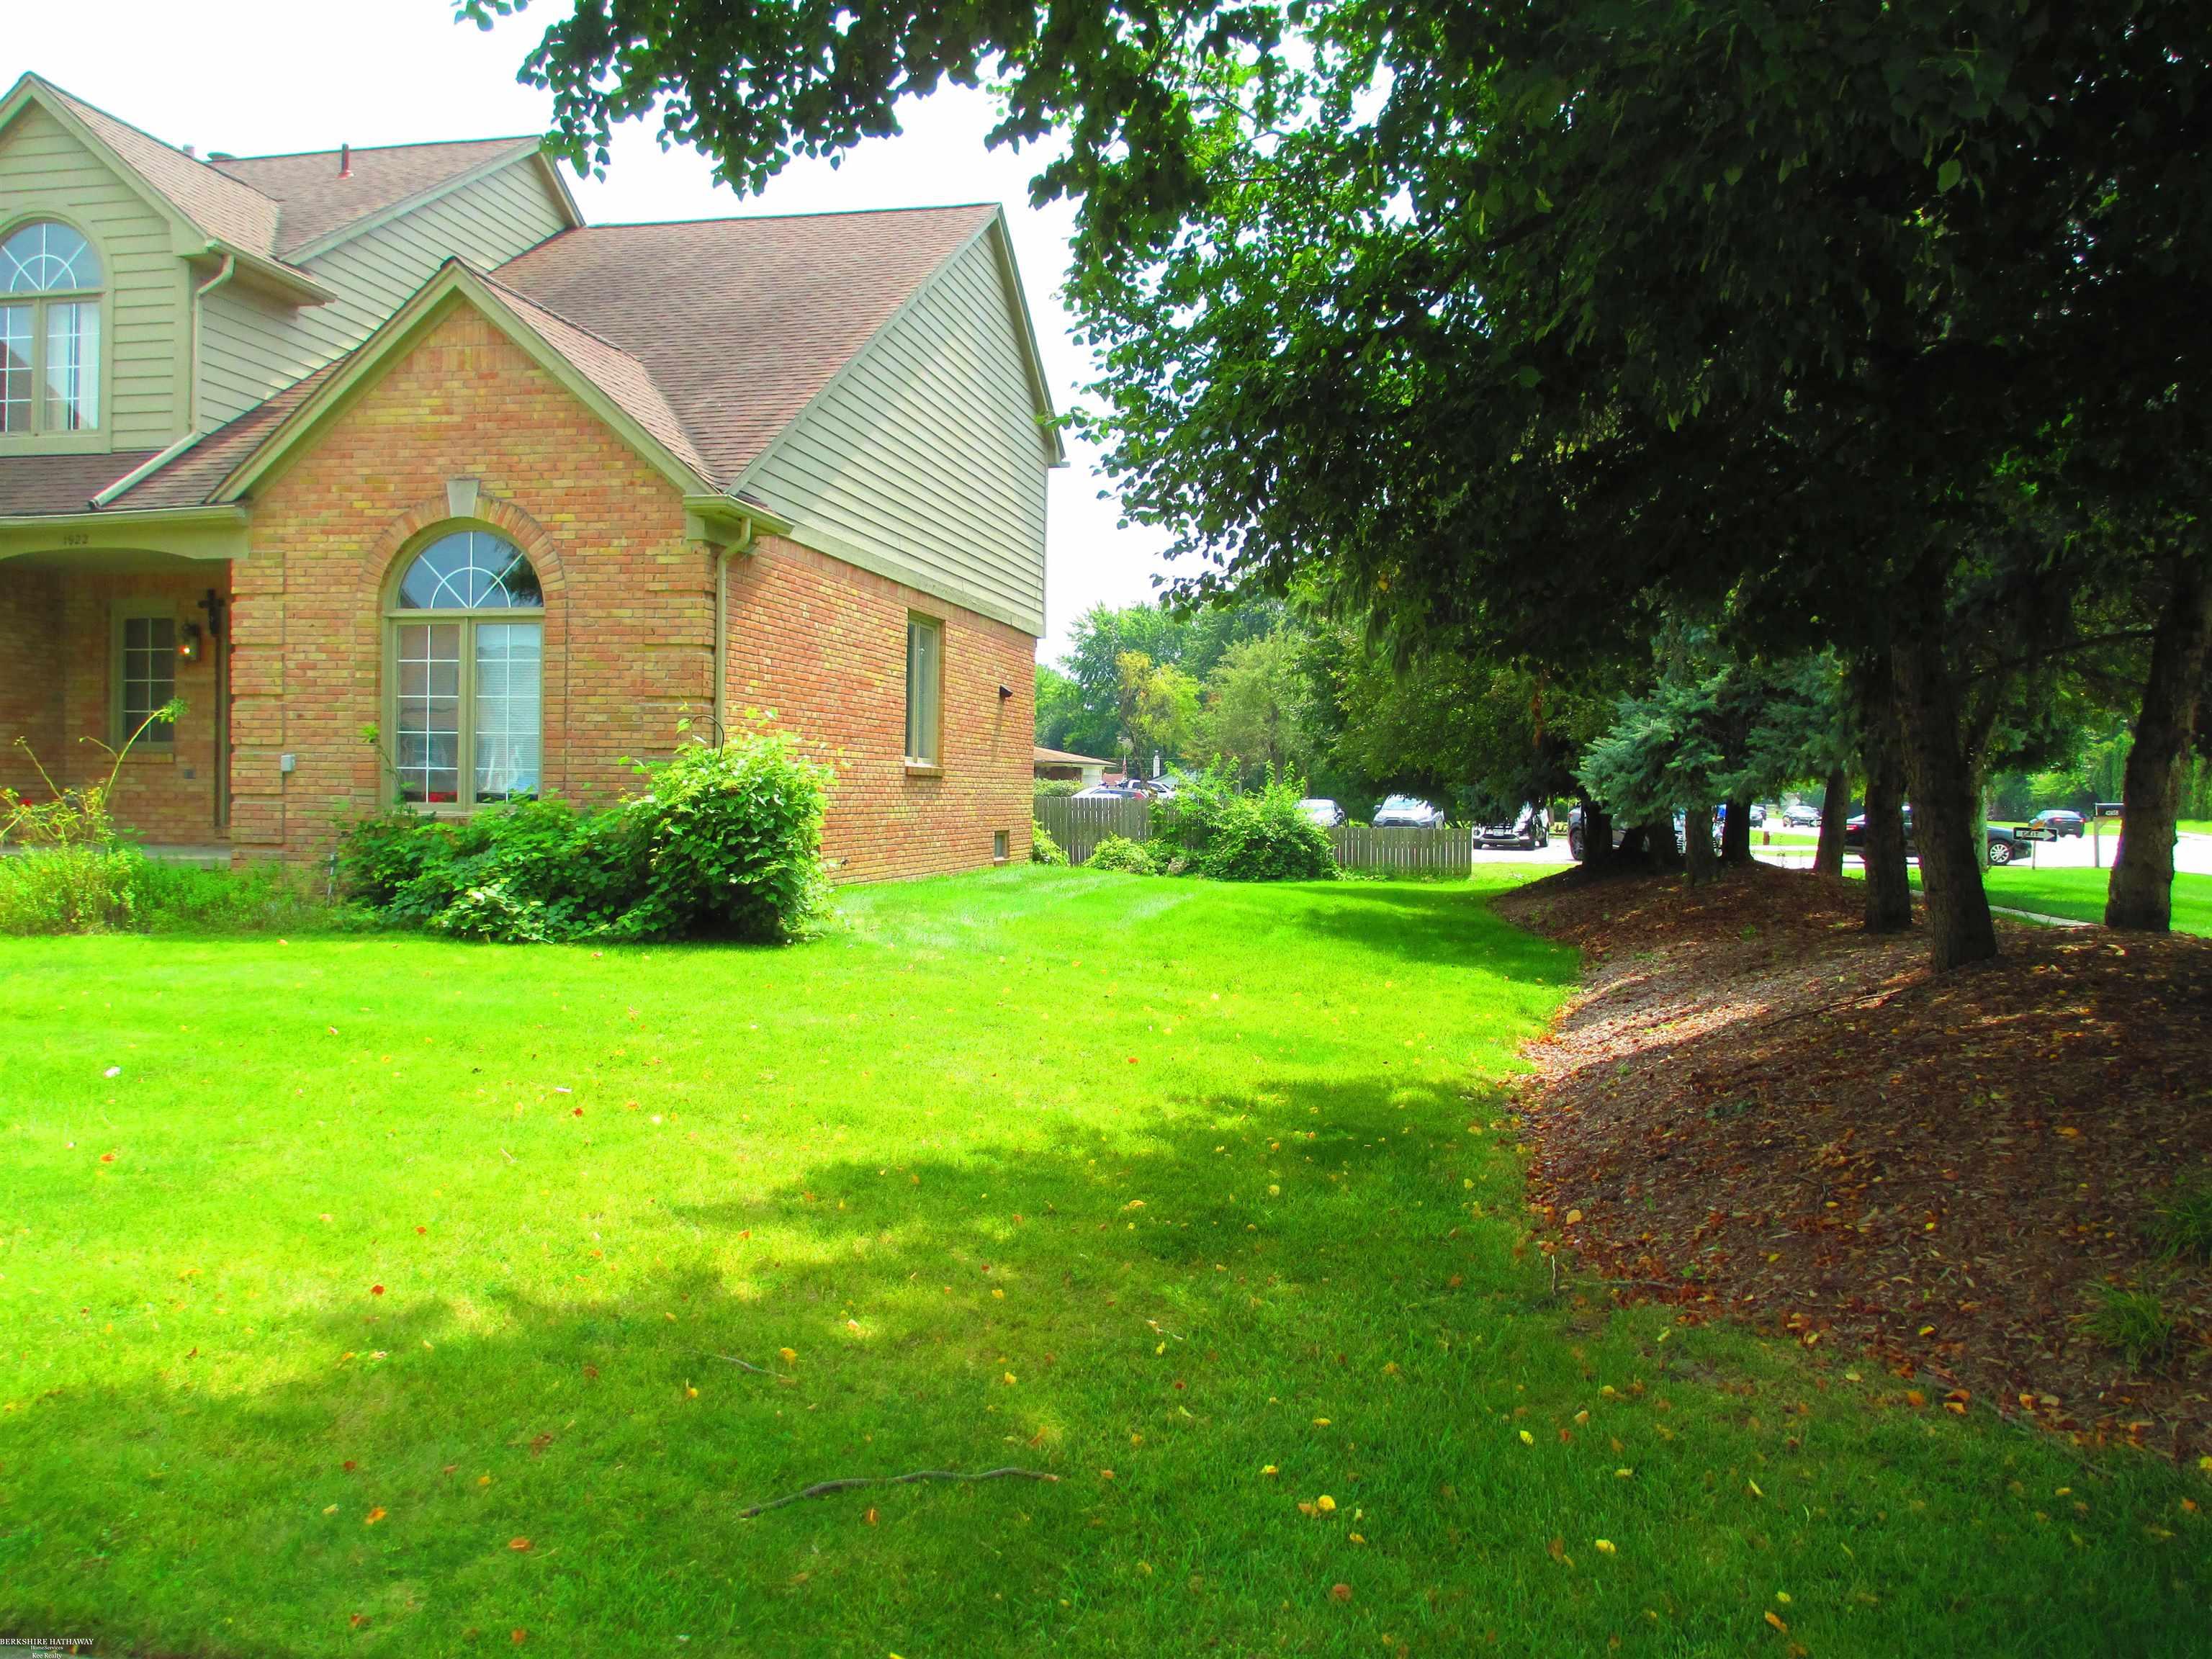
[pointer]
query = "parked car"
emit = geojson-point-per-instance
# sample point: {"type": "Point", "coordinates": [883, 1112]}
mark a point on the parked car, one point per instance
{"type": "Point", "coordinates": [2005, 841]}
{"type": "Point", "coordinates": [1408, 813]}
{"type": "Point", "coordinates": [2060, 822]}
{"type": "Point", "coordinates": [1528, 828]}
{"type": "Point", "coordinates": [1619, 833]}
{"type": "Point", "coordinates": [1798, 816]}
{"type": "Point", "coordinates": [1109, 792]}
{"type": "Point", "coordinates": [1323, 811]}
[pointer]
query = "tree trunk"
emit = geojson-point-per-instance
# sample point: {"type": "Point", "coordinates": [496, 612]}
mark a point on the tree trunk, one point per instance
{"type": "Point", "coordinates": [1888, 884]}
{"type": "Point", "coordinates": [1835, 807]}
{"type": "Point", "coordinates": [1597, 837]}
{"type": "Point", "coordinates": [1945, 812]}
{"type": "Point", "coordinates": [1660, 845]}
{"type": "Point", "coordinates": [2141, 895]}
{"type": "Point", "coordinates": [1735, 834]}
{"type": "Point", "coordinates": [1699, 864]}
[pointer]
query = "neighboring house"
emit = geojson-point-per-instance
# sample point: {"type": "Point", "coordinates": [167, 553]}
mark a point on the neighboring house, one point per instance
{"type": "Point", "coordinates": [387, 442]}
{"type": "Point", "coordinates": [1059, 766]}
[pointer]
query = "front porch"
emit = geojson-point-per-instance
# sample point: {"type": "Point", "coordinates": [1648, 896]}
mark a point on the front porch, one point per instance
{"type": "Point", "coordinates": [90, 643]}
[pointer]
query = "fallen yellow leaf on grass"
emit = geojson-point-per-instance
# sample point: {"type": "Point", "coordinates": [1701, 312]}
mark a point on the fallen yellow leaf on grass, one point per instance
{"type": "Point", "coordinates": [1267, 1468]}
{"type": "Point", "coordinates": [1775, 1620]}
{"type": "Point", "coordinates": [1755, 1491]}
{"type": "Point", "coordinates": [1321, 1422]}
{"type": "Point", "coordinates": [1526, 1438]}
{"type": "Point", "coordinates": [372, 1517]}
{"type": "Point", "coordinates": [1325, 1502]}
{"type": "Point", "coordinates": [1604, 1545]}
{"type": "Point", "coordinates": [518, 1544]}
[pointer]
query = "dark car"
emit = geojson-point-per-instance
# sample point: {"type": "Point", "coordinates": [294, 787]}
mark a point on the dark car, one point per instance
{"type": "Point", "coordinates": [2005, 843]}
{"type": "Point", "coordinates": [1530, 828]}
{"type": "Point", "coordinates": [1619, 833]}
{"type": "Point", "coordinates": [2060, 822]}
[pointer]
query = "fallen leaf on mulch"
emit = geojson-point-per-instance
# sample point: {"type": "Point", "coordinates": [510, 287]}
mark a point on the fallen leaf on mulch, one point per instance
{"type": "Point", "coordinates": [1763, 1112]}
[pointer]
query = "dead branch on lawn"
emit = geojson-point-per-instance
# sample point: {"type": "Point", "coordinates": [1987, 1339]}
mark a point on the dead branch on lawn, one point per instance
{"type": "Point", "coordinates": [745, 1364]}
{"type": "Point", "coordinates": [825, 1488]}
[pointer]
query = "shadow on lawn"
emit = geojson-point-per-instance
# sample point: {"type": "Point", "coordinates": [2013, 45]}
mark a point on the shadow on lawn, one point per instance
{"type": "Point", "coordinates": [1163, 1315]}
{"type": "Point", "coordinates": [1151, 1287]}
{"type": "Point", "coordinates": [1437, 924]}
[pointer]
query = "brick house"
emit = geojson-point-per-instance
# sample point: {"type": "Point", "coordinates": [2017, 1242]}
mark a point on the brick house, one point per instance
{"type": "Point", "coordinates": [389, 439]}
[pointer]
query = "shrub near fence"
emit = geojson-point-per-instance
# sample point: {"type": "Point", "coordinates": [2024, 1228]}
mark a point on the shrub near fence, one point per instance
{"type": "Point", "coordinates": [1079, 825]}
{"type": "Point", "coordinates": [1449, 850]}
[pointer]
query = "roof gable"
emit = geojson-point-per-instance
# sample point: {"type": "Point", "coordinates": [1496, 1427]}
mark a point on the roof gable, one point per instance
{"type": "Point", "coordinates": [192, 194]}
{"type": "Point", "coordinates": [613, 386]}
{"type": "Point", "coordinates": [742, 323]}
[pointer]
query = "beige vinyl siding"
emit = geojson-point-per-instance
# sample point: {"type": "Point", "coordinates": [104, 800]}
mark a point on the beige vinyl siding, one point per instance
{"type": "Point", "coordinates": [251, 346]}
{"type": "Point", "coordinates": [45, 171]}
{"type": "Point", "coordinates": [924, 458]}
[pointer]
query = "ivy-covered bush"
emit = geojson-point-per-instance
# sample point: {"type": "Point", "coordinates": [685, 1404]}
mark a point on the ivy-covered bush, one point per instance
{"type": "Point", "coordinates": [1043, 849]}
{"type": "Point", "coordinates": [1229, 834]}
{"type": "Point", "coordinates": [724, 843]}
{"type": "Point", "coordinates": [1119, 853]}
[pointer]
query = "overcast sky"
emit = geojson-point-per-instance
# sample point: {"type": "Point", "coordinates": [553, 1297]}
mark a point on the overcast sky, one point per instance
{"type": "Point", "coordinates": [260, 76]}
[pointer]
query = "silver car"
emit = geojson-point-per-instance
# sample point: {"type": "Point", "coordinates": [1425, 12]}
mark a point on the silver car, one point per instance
{"type": "Point", "coordinates": [1323, 811]}
{"type": "Point", "coordinates": [1408, 813]}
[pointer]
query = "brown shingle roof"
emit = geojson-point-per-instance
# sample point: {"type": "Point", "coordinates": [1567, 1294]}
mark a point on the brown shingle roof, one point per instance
{"type": "Point", "coordinates": [316, 200]}
{"type": "Point", "coordinates": [61, 484]}
{"type": "Point", "coordinates": [189, 479]}
{"type": "Point", "coordinates": [222, 207]}
{"type": "Point", "coordinates": [740, 322]}
{"type": "Point", "coordinates": [611, 369]}
{"type": "Point", "coordinates": [711, 335]}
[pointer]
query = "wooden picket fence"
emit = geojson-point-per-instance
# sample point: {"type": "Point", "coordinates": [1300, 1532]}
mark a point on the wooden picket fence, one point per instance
{"type": "Point", "coordinates": [1447, 850]}
{"type": "Point", "coordinates": [1079, 825]}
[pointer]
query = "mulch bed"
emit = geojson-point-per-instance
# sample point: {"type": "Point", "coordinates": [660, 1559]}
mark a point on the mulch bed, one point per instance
{"type": "Point", "coordinates": [1754, 1108]}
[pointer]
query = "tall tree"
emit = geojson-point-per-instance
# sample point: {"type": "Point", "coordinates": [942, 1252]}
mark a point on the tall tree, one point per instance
{"type": "Point", "coordinates": [1504, 316]}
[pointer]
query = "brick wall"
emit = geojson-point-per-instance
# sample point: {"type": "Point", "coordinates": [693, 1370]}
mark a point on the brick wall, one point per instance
{"type": "Point", "coordinates": [628, 623]}
{"type": "Point", "coordinates": [823, 645]}
{"type": "Point", "coordinates": [58, 635]}
{"type": "Point", "coordinates": [30, 673]}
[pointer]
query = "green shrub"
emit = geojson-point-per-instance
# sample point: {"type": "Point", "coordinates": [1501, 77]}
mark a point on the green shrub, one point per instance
{"type": "Point", "coordinates": [2135, 1322]}
{"type": "Point", "coordinates": [733, 839]}
{"type": "Point", "coordinates": [68, 889]}
{"type": "Point", "coordinates": [726, 843]}
{"type": "Point", "coordinates": [1119, 853]}
{"type": "Point", "coordinates": [1043, 849]}
{"type": "Point", "coordinates": [2180, 1228]}
{"type": "Point", "coordinates": [1054, 788]}
{"type": "Point", "coordinates": [1229, 834]}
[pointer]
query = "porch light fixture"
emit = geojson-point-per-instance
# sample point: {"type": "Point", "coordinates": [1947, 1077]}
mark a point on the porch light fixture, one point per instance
{"type": "Point", "coordinates": [188, 641]}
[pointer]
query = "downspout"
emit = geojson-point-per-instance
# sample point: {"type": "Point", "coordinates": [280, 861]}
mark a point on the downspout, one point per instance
{"type": "Point", "coordinates": [722, 631]}
{"type": "Point", "coordinates": [230, 269]}
{"type": "Point", "coordinates": [219, 640]}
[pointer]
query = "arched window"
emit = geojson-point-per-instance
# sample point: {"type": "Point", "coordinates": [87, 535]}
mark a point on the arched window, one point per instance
{"type": "Point", "coordinates": [50, 283]}
{"type": "Point", "coordinates": [468, 641]}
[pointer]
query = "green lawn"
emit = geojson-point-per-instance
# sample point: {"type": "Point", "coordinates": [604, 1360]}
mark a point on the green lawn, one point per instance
{"type": "Point", "coordinates": [2080, 893]}
{"type": "Point", "coordinates": [2196, 826]}
{"type": "Point", "coordinates": [378, 1257]}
